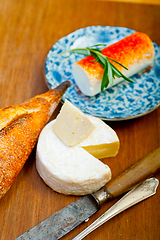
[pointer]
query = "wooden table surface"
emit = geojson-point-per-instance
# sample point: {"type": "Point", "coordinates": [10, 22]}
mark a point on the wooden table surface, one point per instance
{"type": "Point", "coordinates": [28, 29]}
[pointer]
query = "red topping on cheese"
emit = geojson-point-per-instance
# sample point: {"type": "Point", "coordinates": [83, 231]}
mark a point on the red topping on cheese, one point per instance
{"type": "Point", "coordinates": [136, 46]}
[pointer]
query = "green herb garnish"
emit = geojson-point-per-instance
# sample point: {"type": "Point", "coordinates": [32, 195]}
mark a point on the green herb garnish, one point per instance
{"type": "Point", "coordinates": [110, 71]}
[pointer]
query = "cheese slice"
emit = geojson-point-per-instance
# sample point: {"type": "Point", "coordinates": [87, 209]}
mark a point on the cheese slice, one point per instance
{"type": "Point", "coordinates": [136, 52]}
{"type": "Point", "coordinates": [72, 126]}
{"type": "Point", "coordinates": [74, 170]}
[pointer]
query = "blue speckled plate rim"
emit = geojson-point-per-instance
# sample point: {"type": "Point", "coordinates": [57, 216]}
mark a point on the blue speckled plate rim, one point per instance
{"type": "Point", "coordinates": [101, 117]}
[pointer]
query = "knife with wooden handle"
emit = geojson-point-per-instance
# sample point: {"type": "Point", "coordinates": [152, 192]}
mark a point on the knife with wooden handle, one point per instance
{"type": "Point", "coordinates": [63, 221]}
{"type": "Point", "coordinates": [137, 194]}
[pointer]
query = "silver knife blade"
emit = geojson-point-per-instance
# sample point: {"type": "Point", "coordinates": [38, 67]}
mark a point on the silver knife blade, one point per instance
{"type": "Point", "coordinates": [72, 215]}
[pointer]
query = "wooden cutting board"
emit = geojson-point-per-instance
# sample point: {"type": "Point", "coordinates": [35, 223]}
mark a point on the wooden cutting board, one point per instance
{"type": "Point", "coordinates": [27, 31]}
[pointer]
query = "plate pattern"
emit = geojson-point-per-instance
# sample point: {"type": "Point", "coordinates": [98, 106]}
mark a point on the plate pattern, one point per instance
{"type": "Point", "coordinates": [123, 101]}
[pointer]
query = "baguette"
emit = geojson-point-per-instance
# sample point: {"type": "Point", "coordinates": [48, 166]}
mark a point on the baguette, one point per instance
{"type": "Point", "coordinates": [136, 52]}
{"type": "Point", "coordinates": [20, 126]}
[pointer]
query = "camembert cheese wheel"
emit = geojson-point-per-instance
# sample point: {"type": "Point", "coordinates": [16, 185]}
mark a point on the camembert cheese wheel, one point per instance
{"type": "Point", "coordinates": [136, 52]}
{"type": "Point", "coordinates": [76, 170]}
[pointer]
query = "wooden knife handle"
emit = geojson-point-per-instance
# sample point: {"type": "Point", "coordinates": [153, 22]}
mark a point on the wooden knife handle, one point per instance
{"type": "Point", "coordinates": [132, 176]}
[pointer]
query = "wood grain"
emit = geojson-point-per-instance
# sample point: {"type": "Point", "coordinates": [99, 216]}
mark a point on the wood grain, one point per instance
{"type": "Point", "coordinates": [152, 2]}
{"type": "Point", "coordinates": [28, 29]}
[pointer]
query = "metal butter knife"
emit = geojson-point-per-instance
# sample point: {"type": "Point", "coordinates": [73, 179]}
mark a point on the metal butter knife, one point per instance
{"type": "Point", "coordinates": [65, 220]}
{"type": "Point", "coordinates": [134, 196]}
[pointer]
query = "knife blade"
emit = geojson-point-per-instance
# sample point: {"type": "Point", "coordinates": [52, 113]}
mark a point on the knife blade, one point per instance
{"type": "Point", "coordinates": [65, 220]}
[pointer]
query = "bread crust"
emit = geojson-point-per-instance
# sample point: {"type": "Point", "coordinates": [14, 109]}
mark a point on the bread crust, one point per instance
{"type": "Point", "coordinates": [20, 126]}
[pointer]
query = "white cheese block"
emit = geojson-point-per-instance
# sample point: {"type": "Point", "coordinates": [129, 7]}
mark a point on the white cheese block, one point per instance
{"type": "Point", "coordinates": [73, 170]}
{"type": "Point", "coordinates": [72, 126]}
{"type": "Point", "coordinates": [136, 52]}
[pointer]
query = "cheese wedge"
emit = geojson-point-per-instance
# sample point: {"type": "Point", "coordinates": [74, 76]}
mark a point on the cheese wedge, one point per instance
{"type": "Point", "coordinates": [72, 126]}
{"type": "Point", "coordinates": [74, 170]}
{"type": "Point", "coordinates": [103, 142]}
{"type": "Point", "coordinates": [136, 52]}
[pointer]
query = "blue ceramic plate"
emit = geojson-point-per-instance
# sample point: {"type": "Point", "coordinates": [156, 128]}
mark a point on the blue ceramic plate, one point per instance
{"type": "Point", "coordinates": [123, 101]}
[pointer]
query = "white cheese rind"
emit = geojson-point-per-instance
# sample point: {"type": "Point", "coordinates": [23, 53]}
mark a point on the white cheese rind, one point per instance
{"type": "Point", "coordinates": [103, 133]}
{"type": "Point", "coordinates": [103, 142]}
{"type": "Point", "coordinates": [68, 170]}
{"type": "Point", "coordinates": [72, 126]}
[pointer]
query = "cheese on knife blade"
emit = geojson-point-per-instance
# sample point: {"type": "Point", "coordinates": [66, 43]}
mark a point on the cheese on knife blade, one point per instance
{"type": "Point", "coordinates": [76, 170]}
{"type": "Point", "coordinates": [72, 126]}
{"type": "Point", "coordinates": [136, 52]}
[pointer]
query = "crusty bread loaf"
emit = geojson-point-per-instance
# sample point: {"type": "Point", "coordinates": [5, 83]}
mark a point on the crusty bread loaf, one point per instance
{"type": "Point", "coordinates": [136, 52]}
{"type": "Point", "coordinates": [20, 126]}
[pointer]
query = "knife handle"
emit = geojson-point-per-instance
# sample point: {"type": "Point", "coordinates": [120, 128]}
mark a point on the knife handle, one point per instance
{"type": "Point", "coordinates": [128, 179]}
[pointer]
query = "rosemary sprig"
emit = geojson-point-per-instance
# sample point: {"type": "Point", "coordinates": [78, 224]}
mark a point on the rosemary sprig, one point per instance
{"type": "Point", "coordinates": [110, 71]}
